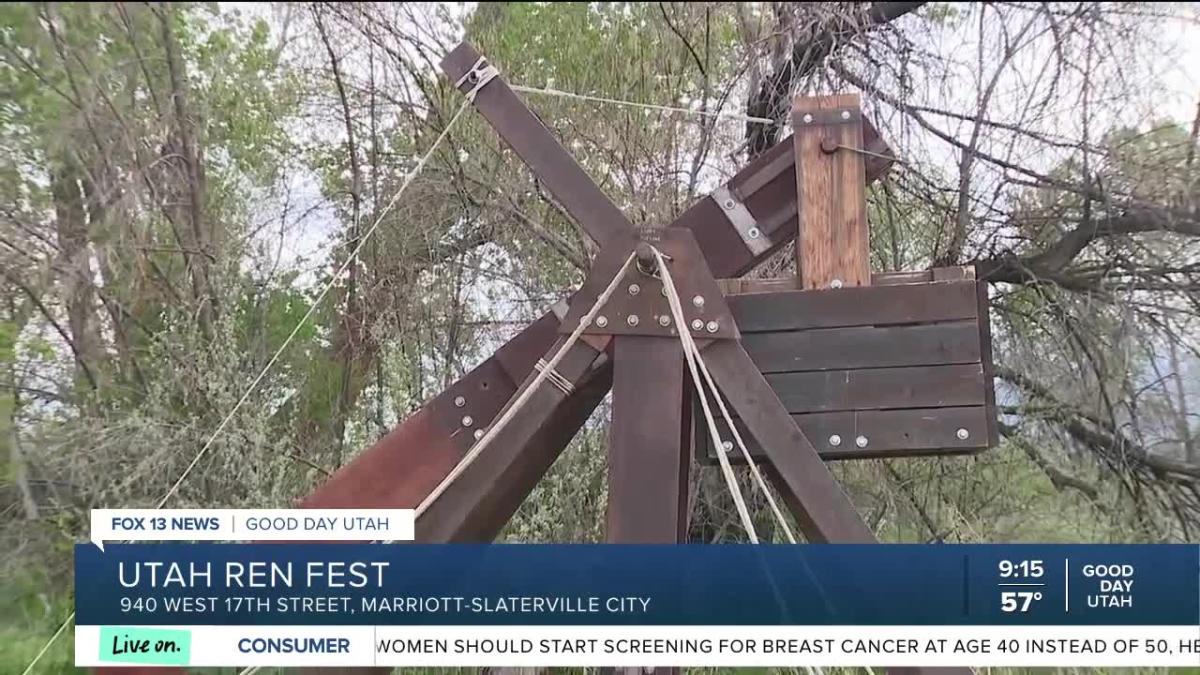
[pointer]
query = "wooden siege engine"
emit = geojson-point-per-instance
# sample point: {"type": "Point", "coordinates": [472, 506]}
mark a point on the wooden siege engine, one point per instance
{"type": "Point", "coordinates": [835, 363]}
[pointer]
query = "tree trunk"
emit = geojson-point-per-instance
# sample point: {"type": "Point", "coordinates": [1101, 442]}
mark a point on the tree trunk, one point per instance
{"type": "Point", "coordinates": [76, 276]}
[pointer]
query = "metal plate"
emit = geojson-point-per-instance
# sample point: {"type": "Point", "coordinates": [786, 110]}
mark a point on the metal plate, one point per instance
{"type": "Point", "coordinates": [641, 295]}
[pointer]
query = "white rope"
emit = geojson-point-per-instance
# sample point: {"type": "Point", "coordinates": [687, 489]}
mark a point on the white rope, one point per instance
{"type": "Point", "coordinates": [689, 346]}
{"type": "Point", "coordinates": [689, 353]}
{"type": "Point", "coordinates": [737, 436]}
{"type": "Point", "coordinates": [651, 106]}
{"type": "Point", "coordinates": [350, 259]}
{"type": "Point", "coordinates": [526, 393]}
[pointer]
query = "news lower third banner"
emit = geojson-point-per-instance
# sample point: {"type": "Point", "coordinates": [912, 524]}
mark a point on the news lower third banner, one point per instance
{"type": "Point", "coordinates": [336, 604]}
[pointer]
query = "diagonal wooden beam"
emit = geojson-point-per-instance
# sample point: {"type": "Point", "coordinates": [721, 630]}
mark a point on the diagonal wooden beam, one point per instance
{"type": "Point", "coordinates": [538, 148]}
{"type": "Point", "coordinates": [482, 499]}
{"type": "Point", "coordinates": [820, 505]}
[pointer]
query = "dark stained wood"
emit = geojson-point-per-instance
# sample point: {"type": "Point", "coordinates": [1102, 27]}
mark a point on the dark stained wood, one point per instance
{"type": "Point", "coordinates": [406, 464]}
{"type": "Point", "coordinates": [742, 286]}
{"type": "Point", "coordinates": [646, 487]}
{"type": "Point", "coordinates": [989, 369]}
{"type": "Point", "coordinates": [862, 306]}
{"type": "Point", "coordinates": [889, 433]}
{"type": "Point", "coordinates": [833, 244]}
{"type": "Point", "coordinates": [540, 151]}
{"type": "Point", "coordinates": [502, 473]}
{"type": "Point", "coordinates": [767, 186]}
{"type": "Point", "coordinates": [880, 388]}
{"type": "Point", "coordinates": [865, 347]}
{"type": "Point", "coordinates": [821, 507]}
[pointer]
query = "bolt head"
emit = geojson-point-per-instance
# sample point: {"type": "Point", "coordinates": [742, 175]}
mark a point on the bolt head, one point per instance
{"type": "Point", "coordinates": [712, 326]}
{"type": "Point", "coordinates": [835, 440]}
{"type": "Point", "coordinates": [698, 301]}
{"type": "Point", "coordinates": [727, 446]}
{"type": "Point", "coordinates": [632, 320]}
{"type": "Point", "coordinates": [836, 283]}
{"type": "Point", "coordinates": [861, 441]}
{"type": "Point", "coordinates": [478, 434]}
{"type": "Point", "coordinates": [962, 434]}
{"type": "Point", "coordinates": [663, 291]}
{"type": "Point", "coordinates": [467, 421]}
{"type": "Point", "coordinates": [664, 321]}
{"type": "Point", "coordinates": [808, 118]}
{"type": "Point", "coordinates": [634, 289]}
{"type": "Point", "coordinates": [459, 402]}
{"type": "Point", "coordinates": [697, 324]}
{"type": "Point", "coordinates": [602, 321]}
{"type": "Point", "coordinates": [728, 204]}
{"type": "Point", "coordinates": [753, 233]}
{"type": "Point", "coordinates": [845, 114]}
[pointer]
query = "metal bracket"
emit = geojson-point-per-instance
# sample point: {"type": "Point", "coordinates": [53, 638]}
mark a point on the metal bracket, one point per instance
{"type": "Point", "coordinates": [478, 76]}
{"type": "Point", "coordinates": [742, 220]}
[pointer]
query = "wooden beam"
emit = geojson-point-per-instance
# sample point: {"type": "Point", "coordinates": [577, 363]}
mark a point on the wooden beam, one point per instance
{"type": "Point", "coordinates": [821, 507]}
{"type": "Point", "coordinates": [740, 286]}
{"type": "Point", "coordinates": [887, 434]}
{"type": "Point", "coordinates": [541, 152]}
{"type": "Point", "coordinates": [833, 242]}
{"type": "Point", "coordinates": [865, 347]}
{"type": "Point", "coordinates": [866, 306]}
{"type": "Point", "coordinates": [478, 503]}
{"type": "Point", "coordinates": [647, 467]}
{"type": "Point", "coordinates": [406, 464]}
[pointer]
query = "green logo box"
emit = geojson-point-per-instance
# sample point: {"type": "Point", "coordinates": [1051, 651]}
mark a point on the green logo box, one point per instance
{"type": "Point", "coordinates": [158, 646]}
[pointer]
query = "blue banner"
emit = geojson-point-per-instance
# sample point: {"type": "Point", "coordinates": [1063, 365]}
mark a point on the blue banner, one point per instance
{"type": "Point", "coordinates": [899, 585]}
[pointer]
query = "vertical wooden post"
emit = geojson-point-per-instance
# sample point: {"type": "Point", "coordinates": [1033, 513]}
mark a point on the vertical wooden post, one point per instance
{"type": "Point", "coordinates": [647, 477]}
{"type": "Point", "coordinates": [833, 244]}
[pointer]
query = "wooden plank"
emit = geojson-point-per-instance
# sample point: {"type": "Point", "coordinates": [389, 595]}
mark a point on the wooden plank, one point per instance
{"type": "Point", "coordinates": [833, 244]}
{"type": "Point", "coordinates": [862, 306]}
{"type": "Point", "coordinates": [865, 347]}
{"type": "Point", "coordinates": [989, 369]}
{"type": "Point", "coordinates": [821, 507]}
{"type": "Point", "coordinates": [880, 388]}
{"type": "Point", "coordinates": [742, 286]}
{"type": "Point", "coordinates": [538, 148]}
{"type": "Point", "coordinates": [888, 433]}
{"type": "Point", "coordinates": [646, 487]}
{"type": "Point", "coordinates": [501, 475]}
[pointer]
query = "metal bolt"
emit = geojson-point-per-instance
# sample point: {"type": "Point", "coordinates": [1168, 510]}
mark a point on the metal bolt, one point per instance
{"type": "Point", "coordinates": [836, 283]}
{"type": "Point", "coordinates": [808, 118]}
{"type": "Point", "coordinates": [602, 321]}
{"type": "Point", "coordinates": [632, 320]}
{"type": "Point", "coordinates": [467, 421]}
{"type": "Point", "coordinates": [728, 204]}
{"type": "Point", "coordinates": [727, 446]}
{"type": "Point", "coordinates": [697, 324]}
{"type": "Point", "coordinates": [861, 441]}
{"type": "Point", "coordinates": [478, 434]}
{"type": "Point", "coordinates": [664, 321]}
{"type": "Point", "coordinates": [460, 402]}
{"type": "Point", "coordinates": [634, 289]}
{"type": "Point", "coordinates": [845, 114]}
{"type": "Point", "coordinates": [698, 301]}
{"type": "Point", "coordinates": [712, 326]}
{"type": "Point", "coordinates": [962, 434]}
{"type": "Point", "coordinates": [663, 290]}
{"type": "Point", "coordinates": [753, 233]}
{"type": "Point", "coordinates": [835, 440]}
